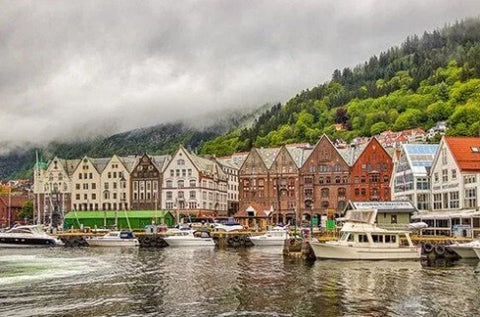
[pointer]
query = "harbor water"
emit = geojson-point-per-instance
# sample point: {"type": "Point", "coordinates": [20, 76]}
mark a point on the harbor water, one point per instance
{"type": "Point", "coordinates": [210, 282]}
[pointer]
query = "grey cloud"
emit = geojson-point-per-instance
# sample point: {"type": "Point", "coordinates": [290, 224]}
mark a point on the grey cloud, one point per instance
{"type": "Point", "coordinates": [72, 69]}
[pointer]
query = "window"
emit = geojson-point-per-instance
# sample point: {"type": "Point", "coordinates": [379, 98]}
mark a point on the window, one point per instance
{"type": "Point", "coordinates": [172, 173]}
{"type": "Point", "coordinates": [454, 201]}
{"type": "Point", "coordinates": [181, 184]}
{"type": "Point", "coordinates": [342, 192]}
{"type": "Point", "coordinates": [189, 172]}
{"type": "Point", "coordinates": [325, 192]}
{"type": "Point", "coordinates": [454, 174]}
{"type": "Point", "coordinates": [193, 183]}
{"type": "Point", "coordinates": [422, 202]}
{"type": "Point", "coordinates": [435, 177]}
{"type": "Point", "coordinates": [470, 198]}
{"type": "Point", "coordinates": [77, 186]}
{"type": "Point", "coordinates": [193, 194]}
{"type": "Point", "coordinates": [444, 156]}
{"type": "Point", "coordinates": [169, 184]}
{"type": "Point", "coordinates": [422, 183]}
{"type": "Point", "coordinates": [393, 219]}
{"type": "Point", "coordinates": [169, 195]}
{"type": "Point", "coordinates": [437, 201]}
{"type": "Point", "coordinates": [445, 175]}
{"type": "Point", "coordinates": [180, 162]}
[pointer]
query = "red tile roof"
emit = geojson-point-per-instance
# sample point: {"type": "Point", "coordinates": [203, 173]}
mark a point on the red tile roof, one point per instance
{"type": "Point", "coordinates": [463, 150]}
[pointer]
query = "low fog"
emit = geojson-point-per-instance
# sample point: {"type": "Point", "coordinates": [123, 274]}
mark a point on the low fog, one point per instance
{"type": "Point", "coordinates": [77, 69]}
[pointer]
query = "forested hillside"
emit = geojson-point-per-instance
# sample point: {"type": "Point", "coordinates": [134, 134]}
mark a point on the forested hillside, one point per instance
{"type": "Point", "coordinates": [425, 79]}
{"type": "Point", "coordinates": [160, 139]}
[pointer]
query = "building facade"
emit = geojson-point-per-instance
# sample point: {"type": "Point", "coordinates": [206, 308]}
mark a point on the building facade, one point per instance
{"type": "Point", "coordinates": [370, 174]}
{"type": "Point", "coordinates": [193, 185]}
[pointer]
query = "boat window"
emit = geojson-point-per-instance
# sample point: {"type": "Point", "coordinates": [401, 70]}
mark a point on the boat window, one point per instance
{"type": "Point", "coordinates": [387, 239]}
{"type": "Point", "coordinates": [362, 238]}
{"type": "Point", "coordinates": [375, 238]}
{"type": "Point", "coordinates": [345, 236]}
{"type": "Point", "coordinates": [394, 239]}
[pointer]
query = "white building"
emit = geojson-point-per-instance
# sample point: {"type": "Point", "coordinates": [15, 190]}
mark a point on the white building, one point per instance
{"type": "Point", "coordinates": [86, 184]}
{"type": "Point", "coordinates": [230, 166]}
{"type": "Point", "coordinates": [115, 183]}
{"type": "Point", "coordinates": [411, 179]}
{"type": "Point", "coordinates": [456, 174]}
{"type": "Point", "coordinates": [52, 189]}
{"type": "Point", "coordinates": [194, 185]}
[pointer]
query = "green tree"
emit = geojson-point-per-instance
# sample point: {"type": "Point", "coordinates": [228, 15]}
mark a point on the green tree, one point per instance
{"type": "Point", "coordinates": [27, 210]}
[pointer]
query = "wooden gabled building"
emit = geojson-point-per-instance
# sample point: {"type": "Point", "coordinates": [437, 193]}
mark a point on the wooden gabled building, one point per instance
{"type": "Point", "coordinates": [370, 174]}
{"type": "Point", "coordinates": [323, 181]}
{"type": "Point", "coordinates": [146, 179]}
{"type": "Point", "coordinates": [255, 188]}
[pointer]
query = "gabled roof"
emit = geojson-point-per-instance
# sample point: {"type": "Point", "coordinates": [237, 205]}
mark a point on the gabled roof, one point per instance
{"type": "Point", "coordinates": [70, 166]}
{"type": "Point", "coordinates": [352, 153]}
{"type": "Point", "coordinates": [299, 154]}
{"type": "Point", "coordinates": [268, 155]}
{"type": "Point", "coordinates": [465, 151]}
{"type": "Point", "coordinates": [129, 162]}
{"type": "Point", "coordinates": [100, 163]}
{"type": "Point", "coordinates": [161, 161]}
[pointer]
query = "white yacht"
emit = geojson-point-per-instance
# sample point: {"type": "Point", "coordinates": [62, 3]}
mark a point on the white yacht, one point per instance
{"type": "Point", "coordinates": [466, 250]}
{"type": "Point", "coordinates": [361, 239]}
{"type": "Point", "coordinates": [190, 238]}
{"type": "Point", "coordinates": [27, 237]}
{"type": "Point", "coordinates": [114, 239]}
{"type": "Point", "coordinates": [274, 237]}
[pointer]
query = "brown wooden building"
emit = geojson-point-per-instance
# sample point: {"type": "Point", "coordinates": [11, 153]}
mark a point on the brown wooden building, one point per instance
{"type": "Point", "coordinates": [323, 181]}
{"type": "Point", "coordinates": [370, 174]}
{"type": "Point", "coordinates": [146, 179]}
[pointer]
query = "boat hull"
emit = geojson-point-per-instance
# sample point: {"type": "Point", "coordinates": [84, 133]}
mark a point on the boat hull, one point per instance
{"type": "Point", "coordinates": [465, 252]}
{"type": "Point", "coordinates": [190, 242]}
{"type": "Point", "coordinates": [258, 241]}
{"type": "Point", "coordinates": [113, 243]}
{"type": "Point", "coordinates": [476, 250]}
{"type": "Point", "coordinates": [341, 252]}
{"type": "Point", "coordinates": [10, 242]}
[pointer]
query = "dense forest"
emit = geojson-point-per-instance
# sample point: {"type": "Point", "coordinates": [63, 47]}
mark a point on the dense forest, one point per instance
{"type": "Point", "coordinates": [424, 80]}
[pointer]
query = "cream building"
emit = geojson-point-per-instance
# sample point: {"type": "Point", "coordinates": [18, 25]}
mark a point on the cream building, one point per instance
{"type": "Point", "coordinates": [194, 185]}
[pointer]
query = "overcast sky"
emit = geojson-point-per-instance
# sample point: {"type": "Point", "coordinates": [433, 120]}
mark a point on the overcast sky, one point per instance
{"type": "Point", "coordinates": [80, 68]}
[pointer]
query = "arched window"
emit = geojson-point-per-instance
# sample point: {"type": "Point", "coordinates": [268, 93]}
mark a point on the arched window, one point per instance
{"type": "Point", "coordinates": [180, 162]}
{"type": "Point", "coordinates": [341, 192]}
{"type": "Point", "coordinates": [193, 183]}
{"type": "Point", "coordinates": [181, 184]}
{"type": "Point", "coordinates": [325, 193]}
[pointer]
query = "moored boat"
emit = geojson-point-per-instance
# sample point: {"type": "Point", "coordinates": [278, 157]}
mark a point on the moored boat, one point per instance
{"type": "Point", "coordinates": [274, 237]}
{"type": "Point", "coordinates": [29, 236]}
{"type": "Point", "coordinates": [190, 238]}
{"type": "Point", "coordinates": [114, 239]}
{"type": "Point", "coordinates": [361, 239]}
{"type": "Point", "coordinates": [466, 250]}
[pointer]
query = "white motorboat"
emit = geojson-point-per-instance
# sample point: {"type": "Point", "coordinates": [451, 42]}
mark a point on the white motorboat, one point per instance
{"type": "Point", "coordinates": [27, 237]}
{"type": "Point", "coordinates": [466, 250]}
{"type": "Point", "coordinates": [361, 239]}
{"type": "Point", "coordinates": [274, 237]}
{"type": "Point", "coordinates": [114, 239]}
{"type": "Point", "coordinates": [476, 249]}
{"type": "Point", "coordinates": [190, 238]}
